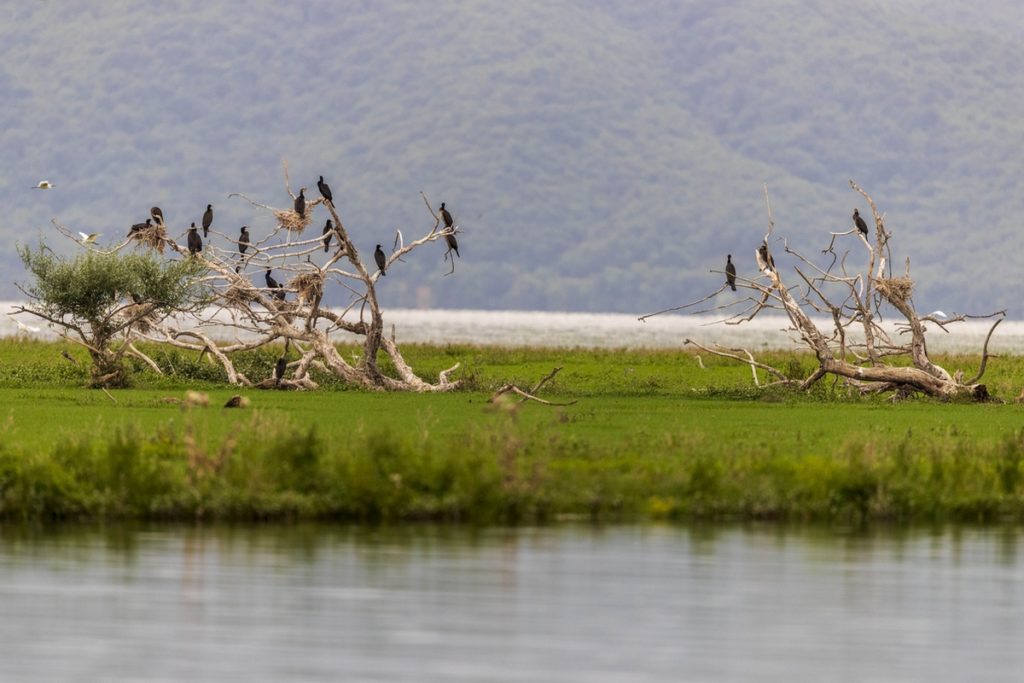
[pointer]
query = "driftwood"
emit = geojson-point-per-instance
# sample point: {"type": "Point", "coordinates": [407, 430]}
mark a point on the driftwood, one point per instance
{"type": "Point", "coordinates": [530, 395]}
{"type": "Point", "coordinates": [851, 300]}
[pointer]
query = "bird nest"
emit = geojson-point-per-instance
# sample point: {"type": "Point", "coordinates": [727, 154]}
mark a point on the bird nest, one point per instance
{"type": "Point", "coordinates": [310, 286]}
{"type": "Point", "coordinates": [238, 297]}
{"type": "Point", "coordinates": [144, 315]}
{"type": "Point", "coordinates": [153, 237]}
{"type": "Point", "coordinates": [293, 222]}
{"type": "Point", "coordinates": [898, 288]}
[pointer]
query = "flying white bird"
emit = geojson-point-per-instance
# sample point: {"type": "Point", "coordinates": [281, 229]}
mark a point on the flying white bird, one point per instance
{"type": "Point", "coordinates": [22, 326]}
{"type": "Point", "coordinates": [44, 185]}
{"type": "Point", "coordinates": [90, 238]}
{"type": "Point", "coordinates": [938, 314]}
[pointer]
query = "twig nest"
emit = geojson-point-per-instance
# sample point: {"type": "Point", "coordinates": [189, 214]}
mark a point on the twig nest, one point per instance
{"type": "Point", "coordinates": [237, 297]}
{"type": "Point", "coordinates": [899, 288]}
{"type": "Point", "coordinates": [153, 237]}
{"type": "Point", "coordinates": [293, 222]}
{"type": "Point", "coordinates": [310, 286]}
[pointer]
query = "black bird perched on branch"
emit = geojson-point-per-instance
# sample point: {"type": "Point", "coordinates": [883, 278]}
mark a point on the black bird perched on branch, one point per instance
{"type": "Point", "coordinates": [140, 226]}
{"type": "Point", "coordinates": [207, 220]}
{"type": "Point", "coordinates": [157, 215]}
{"type": "Point", "coordinates": [279, 369]}
{"type": "Point", "coordinates": [195, 242]}
{"type": "Point", "coordinates": [859, 222]}
{"type": "Point", "coordinates": [764, 259]}
{"type": "Point", "coordinates": [328, 231]}
{"type": "Point", "coordinates": [300, 203]}
{"type": "Point", "coordinates": [243, 240]}
{"type": "Point", "coordinates": [325, 190]}
{"type": "Point", "coordinates": [730, 272]}
{"type": "Point", "coordinates": [381, 259]}
{"type": "Point", "coordinates": [446, 217]}
{"type": "Point", "coordinates": [273, 284]}
{"type": "Point", "coordinates": [453, 244]}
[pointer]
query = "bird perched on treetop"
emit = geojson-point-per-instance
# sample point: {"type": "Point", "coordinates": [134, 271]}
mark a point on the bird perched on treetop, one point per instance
{"type": "Point", "coordinates": [207, 220]}
{"type": "Point", "coordinates": [195, 242]}
{"type": "Point", "coordinates": [325, 190]}
{"type": "Point", "coordinates": [381, 259]}
{"type": "Point", "coordinates": [300, 203]}
{"type": "Point", "coordinates": [328, 231]}
{"type": "Point", "coordinates": [157, 215]}
{"type": "Point", "coordinates": [859, 222]}
{"type": "Point", "coordinates": [243, 240]}
{"type": "Point", "coordinates": [446, 217]}
{"type": "Point", "coordinates": [730, 272]}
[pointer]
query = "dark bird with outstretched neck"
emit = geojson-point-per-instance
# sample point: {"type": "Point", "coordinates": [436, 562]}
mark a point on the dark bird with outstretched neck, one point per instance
{"type": "Point", "coordinates": [157, 215]}
{"type": "Point", "coordinates": [381, 259]}
{"type": "Point", "coordinates": [278, 289]}
{"type": "Point", "coordinates": [195, 242]}
{"type": "Point", "coordinates": [730, 272]}
{"type": "Point", "coordinates": [859, 222]}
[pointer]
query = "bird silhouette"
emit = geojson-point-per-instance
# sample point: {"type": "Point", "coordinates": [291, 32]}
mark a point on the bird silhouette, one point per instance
{"type": "Point", "coordinates": [195, 242]}
{"type": "Point", "coordinates": [207, 220]}
{"type": "Point", "coordinates": [157, 215]}
{"type": "Point", "coordinates": [140, 226]}
{"type": "Point", "coordinates": [381, 259]}
{"type": "Point", "coordinates": [859, 222]}
{"type": "Point", "coordinates": [300, 203]}
{"type": "Point", "coordinates": [279, 368]}
{"type": "Point", "coordinates": [325, 190]}
{"type": "Point", "coordinates": [243, 240]}
{"type": "Point", "coordinates": [273, 284]}
{"type": "Point", "coordinates": [446, 217]}
{"type": "Point", "coordinates": [328, 231]}
{"type": "Point", "coordinates": [730, 272]}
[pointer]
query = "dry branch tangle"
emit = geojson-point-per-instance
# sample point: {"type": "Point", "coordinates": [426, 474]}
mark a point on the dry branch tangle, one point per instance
{"type": "Point", "coordinates": [852, 299]}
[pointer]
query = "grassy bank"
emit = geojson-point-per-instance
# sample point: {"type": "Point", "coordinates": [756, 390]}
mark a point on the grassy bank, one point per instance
{"type": "Point", "coordinates": [652, 436]}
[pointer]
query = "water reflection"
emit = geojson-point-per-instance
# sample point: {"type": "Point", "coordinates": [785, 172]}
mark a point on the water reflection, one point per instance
{"type": "Point", "coordinates": [651, 603]}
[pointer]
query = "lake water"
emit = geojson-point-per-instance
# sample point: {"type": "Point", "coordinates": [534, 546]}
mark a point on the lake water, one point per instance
{"type": "Point", "coordinates": [561, 603]}
{"type": "Point", "coordinates": [609, 330]}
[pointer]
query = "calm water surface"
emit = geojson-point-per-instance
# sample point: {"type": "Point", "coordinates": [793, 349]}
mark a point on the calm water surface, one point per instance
{"type": "Point", "coordinates": [562, 603]}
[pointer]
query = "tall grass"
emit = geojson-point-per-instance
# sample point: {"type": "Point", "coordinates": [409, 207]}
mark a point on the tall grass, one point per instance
{"type": "Point", "coordinates": [504, 473]}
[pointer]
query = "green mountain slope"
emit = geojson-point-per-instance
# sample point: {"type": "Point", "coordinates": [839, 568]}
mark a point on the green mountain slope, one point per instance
{"type": "Point", "coordinates": [600, 156]}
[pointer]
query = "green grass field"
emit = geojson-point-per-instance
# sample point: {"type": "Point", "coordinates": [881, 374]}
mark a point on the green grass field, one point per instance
{"type": "Point", "coordinates": [652, 435]}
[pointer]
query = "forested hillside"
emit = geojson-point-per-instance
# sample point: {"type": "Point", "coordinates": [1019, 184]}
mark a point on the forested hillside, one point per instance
{"type": "Point", "coordinates": [599, 155]}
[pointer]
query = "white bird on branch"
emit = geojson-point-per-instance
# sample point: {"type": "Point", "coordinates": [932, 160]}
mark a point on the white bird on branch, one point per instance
{"type": "Point", "coordinates": [90, 238]}
{"type": "Point", "coordinates": [937, 314]}
{"type": "Point", "coordinates": [44, 185]}
{"type": "Point", "coordinates": [22, 326]}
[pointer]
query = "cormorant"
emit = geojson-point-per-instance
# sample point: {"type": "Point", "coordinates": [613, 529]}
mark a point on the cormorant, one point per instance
{"type": "Point", "coordinates": [279, 369]}
{"type": "Point", "coordinates": [157, 215]}
{"type": "Point", "coordinates": [325, 190]}
{"type": "Point", "coordinates": [730, 272]}
{"type": "Point", "coordinates": [207, 220]}
{"type": "Point", "coordinates": [273, 284]}
{"type": "Point", "coordinates": [140, 226]}
{"type": "Point", "coordinates": [859, 222]}
{"type": "Point", "coordinates": [446, 217]}
{"type": "Point", "coordinates": [767, 259]}
{"type": "Point", "coordinates": [453, 244]}
{"type": "Point", "coordinates": [300, 203]}
{"type": "Point", "coordinates": [243, 240]}
{"type": "Point", "coordinates": [381, 260]}
{"type": "Point", "coordinates": [328, 231]}
{"type": "Point", "coordinates": [195, 242]}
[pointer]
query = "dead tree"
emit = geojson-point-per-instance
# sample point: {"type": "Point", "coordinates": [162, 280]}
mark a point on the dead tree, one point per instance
{"type": "Point", "coordinates": [855, 303]}
{"type": "Point", "coordinates": [292, 312]}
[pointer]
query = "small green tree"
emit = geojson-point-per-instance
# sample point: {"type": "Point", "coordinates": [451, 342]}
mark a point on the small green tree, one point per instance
{"type": "Point", "coordinates": [98, 298]}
